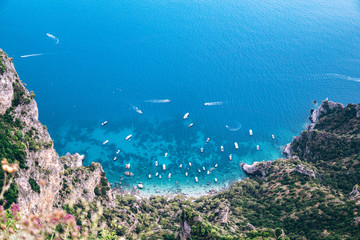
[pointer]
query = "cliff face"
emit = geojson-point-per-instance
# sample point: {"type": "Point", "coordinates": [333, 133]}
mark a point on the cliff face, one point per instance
{"type": "Point", "coordinates": [312, 194]}
{"type": "Point", "coordinates": [43, 164]}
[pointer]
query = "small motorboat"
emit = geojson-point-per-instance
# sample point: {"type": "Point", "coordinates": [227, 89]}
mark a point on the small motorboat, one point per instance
{"type": "Point", "coordinates": [160, 176]}
{"type": "Point", "coordinates": [257, 147]}
{"type": "Point", "coordinates": [250, 132]}
{"type": "Point", "coordinates": [156, 163]}
{"type": "Point", "coordinates": [157, 174]}
{"type": "Point", "coordinates": [201, 150]}
{"type": "Point", "coordinates": [190, 125]}
{"type": "Point", "coordinates": [180, 166]}
{"type": "Point", "coordinates": [207, 140]}
{"type": "Point", "coordinates": [216, 180]}
{"type": "Point", "coordinates": [222, 148]}
{"type": "Point", "coordinates": [169, 176]}
{"type": "Point", "coordinates": [208, 172]}
{"type": "Point", "coordinates": [186, 115]}
{"type": "Point", "coordinates": [196, 179]}
{"type": "Point", "coordinates": [273, 137]}
{"type": "Point", "coordinates": [104, 123]}
{"type": "Point", "coordinates": [189, 164]}
{"type": "Point", "coordinates": [118, 151]}
{"type": "Point", "coordinates": [203, 168]}
{"type": "Point", "coordinates": [115, 158]}
{"type": "Point", "coordinates": [236, 145]}
{"type": "Point", "coordinates": [127, 166]}
{"type": "Point", "coordinates": [166, 154]}
{"type": "Point", "coordinates": [186, 174]}
{"type": "Point", "coordinates": [106, 142]}
{"type": "Point", "coordinates": [230, 157]}
{"type": "Point", "coordinates": [149, 176]}
{"type": "Point", "coordinates": [216, 165]}
{"type": "Point", "coordinates": [164, 167]}
{"type": "Point", "coordinates": [199, 170]}
{"type": "Point", "coordinates": [128, 137]}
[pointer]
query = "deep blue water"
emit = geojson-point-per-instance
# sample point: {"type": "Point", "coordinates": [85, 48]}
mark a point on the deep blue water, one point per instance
{"type": "Point", "coordinates": [265, 60]}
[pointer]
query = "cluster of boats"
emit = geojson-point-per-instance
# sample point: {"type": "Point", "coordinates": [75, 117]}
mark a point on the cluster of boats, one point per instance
{"type": "Point", "coordinates": [186, 116]}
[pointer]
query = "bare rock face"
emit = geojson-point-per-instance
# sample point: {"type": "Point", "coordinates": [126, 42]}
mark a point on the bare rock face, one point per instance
{"type": "Point", "coordinates": [6, 80]}
{"type": "Point", "coordinates": [355, 194]}
{"type": "Point", "coordinates": [72, 160]}
{"type": "Point", "coordinates": [256, 168]}
{"type": "Point", "coordinates": [358, 111]}
{"type": "Point", "coordinates": [321, 110]}
{"type": "Point", "coordinates": [305, 171]}
{"type": "Point", "coordinates": [44, 164]}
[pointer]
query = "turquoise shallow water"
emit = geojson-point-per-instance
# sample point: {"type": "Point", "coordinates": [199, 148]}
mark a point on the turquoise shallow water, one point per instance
{"type": "Point", "coordinates": [264, 60]}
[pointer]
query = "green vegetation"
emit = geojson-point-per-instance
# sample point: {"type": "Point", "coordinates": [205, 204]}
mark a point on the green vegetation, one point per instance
{"type": "Point", "coordinates": [34, 186]}
{"type": "Point", "coordinates": [303, 197]}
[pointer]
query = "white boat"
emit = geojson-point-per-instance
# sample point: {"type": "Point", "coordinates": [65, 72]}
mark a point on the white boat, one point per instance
{"type": "Point", "coordinates": [216, 180]}
{"type": "Point", "coordinates": [156, 163]}
{"type": "Point", "coordinates": [257, 147]}
{"type": "Point", "coordinates": [169, 176]}
{"type": "Point", "coordinates": [156, 174]}
{"type": "Point", "coordinates": [189, 164]}
{"type": "Point", "coordinates": [236, 145]}
{"type": "Point", "coordinates": [164, 167]}
{"type": "Point", "coordinates": [222, 148]}
{"type": "Point", "coordinates": [216, 165]}
{"type": "Point", "coordinates": [149, 176]}
{"type": "Point", "coordinates": [201, 150]}
{"type": "Point", "coordinates": [115, 158]}
{"type": "Point", "coordinates": [196, 179]}
{"type": "Point", "coordinates": [191, 124]}
{"type": "Point", "coordinates": [199, 170]}
{"type": "Point", "coordinates": [166, 154]}
{"type": "Point", "coordinates": [180, 166]}
{"type": "Point", "coordinates": [106, 142]}
{"type": "Point", "coordinates": [186, 174]}
{"type": "Point", "coordinates": [127, 166]}
{"type": "Point", "coordinates": [207, 140]}
{"type": "Point", "coordinates": [104, 123]}
{"type": "Point", "coordinates": [272, 136]}
{"type": "Point", "coordinates": [159, 176]}
{"type": "Point", "coordinates": [208, 172]}
{"type": "Point", "coordinates": [230, 157]}
{"type": "Point", "coordinates": [250, 132]}
{"type": "Point", "coordinates": [118, 151]}
{"type": "Point", "coordinates": [128, 137]}
{"type": "Point", "coordinates": [186, 115]}
{"type": "Point", "coordinates": [203, 168]}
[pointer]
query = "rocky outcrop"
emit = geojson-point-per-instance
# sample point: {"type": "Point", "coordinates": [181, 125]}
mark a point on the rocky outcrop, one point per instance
{"type": "Point", "coordinates": [185, 229]}
{"type": "Point", "coordinates": [256, 168]}
{"type": "Point", "coordinates": [72, 160]}
{"type": "Point", "coordinates": [6, 82]}
{"type": "Point", "coordinates": [355, 194]}
{"type": "Point", "coordinates": [323, 109]}
{"type": "Point", "coordinates": [44, 165]}
{"type": "Point", "coordinates": [304, 170]}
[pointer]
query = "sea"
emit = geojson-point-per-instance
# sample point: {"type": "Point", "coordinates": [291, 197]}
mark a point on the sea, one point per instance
{"type": "Point", "coordinates": [140, 65]}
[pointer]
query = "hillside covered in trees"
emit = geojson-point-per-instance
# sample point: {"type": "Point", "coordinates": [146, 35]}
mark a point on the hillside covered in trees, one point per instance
{"type": "Point", "coordinates": [311, 194]}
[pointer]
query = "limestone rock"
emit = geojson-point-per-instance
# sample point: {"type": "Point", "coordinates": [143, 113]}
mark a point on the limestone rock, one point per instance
{"type": "Point", "coordinates": [305, 171]}
{"type": "Point", "coordinates": [355, 194]}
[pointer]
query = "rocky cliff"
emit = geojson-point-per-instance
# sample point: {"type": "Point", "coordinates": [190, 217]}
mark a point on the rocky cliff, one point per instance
{"type": "Point", "coordinates": [312, 194]}
{"type": "Point", "coordinates": [43, 165]}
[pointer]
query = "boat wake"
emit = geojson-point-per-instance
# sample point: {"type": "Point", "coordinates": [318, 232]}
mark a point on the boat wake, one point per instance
{"type": "Point", "coordinates": [136, 109]}
{"type": "Point", "coordinates": [213, 103]}
{"type": "Point", "coordinates": [158, 101]}
{"type": "Point", "coordinates": [32, 55]}
{"type": "Point", "coordinates": [344, 77]}
{"type": "Point", "coordinates": [53, 37]}
{"type": "Point", "coordinates": [238, 127]}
